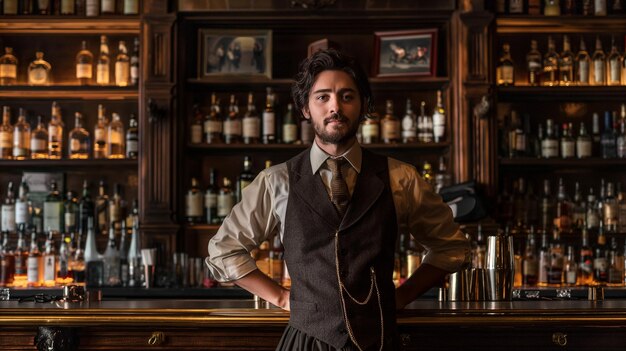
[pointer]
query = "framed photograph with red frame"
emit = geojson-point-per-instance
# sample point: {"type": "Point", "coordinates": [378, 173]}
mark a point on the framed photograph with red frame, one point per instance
{"type": "Point", "coordinates": [405, 53]}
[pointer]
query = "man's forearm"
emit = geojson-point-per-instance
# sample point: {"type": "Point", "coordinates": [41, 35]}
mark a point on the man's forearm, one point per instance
{"type": "Point", "coordinates": [261, 285]}
{"type": "Point", "coordinates": [424, 278]}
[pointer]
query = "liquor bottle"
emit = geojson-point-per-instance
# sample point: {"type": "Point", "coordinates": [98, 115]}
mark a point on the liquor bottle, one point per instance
{"type": "Point", "coordinates": [546, 207]}
{"type": "Point", "coordinates": [505, 70]}
{"type": "Point", "coordinates": [9, 7]}
{"type": "Point", "coordinates": [213, 123]}
{"type": "Point", "coordinates": [442, 177]}
{"type": "Point", "coordinates": [516, 147]}
{"type": "Point", "coordinates": [245, 177]}
{"type": "Point", "coordinates": [77, 261]}
{"type": "Point", "coordinates": [117, 208]}
{"type": "Point", "coordinates": [600, 259]}
{"type": "Point", "coordinates": [20, 276]}
{"type": "Point", "coordinates": [550, 65]}
{"type": "Point", "coordinates": [102, 207]}
{"type": "Point", "coordinates": [290, 126]}
{"type": "Point", "coordinates": [22, 205]}
{"type": "Point", "coordinates": [409, 124]}
{"type": "Point", "coordinates": [193, 203]}
{"type": "Point", "coordinates": [578, 209]}
{"type": "Point", "coordinates": [390, 125]}
{"type": "Point", "coordinates": [111, 261]}
{"type": "Point", "coordinates": [568, 144]}
{"type": "Point", "coordinates": [232, 123]}
{"type": "Point", "coordinates": [608, 139]}
{"type": "Point", "coordinates": [582, 64]}
{"type": "Point", "coordinates": [124, 266]}
{"type": "Point", "coordinates": [614, 63]}
{"type": "Point", "coordinates": [210, 199]}
{"type": "Point", "coordinates": [549, 144]}
{"type": "Point", "coordinates": [618, 7]}
{"type": "Point", "coordinates": [570, 268]}
{"type": "Point", "coordinates": [21, 137]}
{"type": "Point", "coordinates": [533, 60]}
{"type": "Point", "coordinates": [103, 65]}
{"type": "Point", "coordinates": [55, 133]}
{"type": "Point", "coordinates": [100, 134]}
{"type": "Point", "coordinates": [132, 138]}
{"type": "Point", "coordinates": [551, 8]}
{"type": "Point", "coordinates": [598, 75]}
{"type": "Point", "coordinates": [71, 213]}
{"type": "Point", "coordinates": [68, 7]}
{"type": "Point", "coordinates": [93, 262]}
{"type": "Point", "coordinates": [53, 209]}
{"type": "Point", "coordinates": [544, 260]}
{"type": "Point", "coordinates": [134, 62]}
{"type": "Point", "coordinates": [196, 125]}
{"type": "Point", "coordinates": [307, 134]}
{"type": "Point", "coordinates": [610, 216]}
{"type": "Point", "coordinates": [251, 123]}
{"type": "Point", "coordinates": [134, 258]}
{"type": "Point", "coordinates": [616, 264]}
{"type": "Point", "coordinates": [563, 217]}
{"type": "Point", "coordinates": [555, 271]}
{"type": "Point", "coordinates": [439, 119]}
{"type": "Point", "coordinates": [8, 67]}
{"type": "Point", "coordinates": [569, 7]}
{"type": "Point", "coordinates": [34, 263]}
{"type": "Point", "coordinates": [530, 265]}
{"type": "Point", "coordinates": [566, 64]}
{"type": "Point", "coordinates": [64, 276]}
{"type": "Point", "coordinates": [39, 71]}
{"type": "Point", "coordinates": [6, 134]}
{"type": "Point", "coordinates": [131, 7]}
{"type": "Point", "coordinates": [586, 259]}
{"type": "Point", "coordinates": [39, 141]}
{"type": "Point", "coordinates": [8, 210]}
{"type": "Point", "coordinates": [413, 256]}
{"type": "Point", "coordinates": [85, 209]}
{"type": "Point", "coordinates": [115, 138]}
{"type": "Point", "coordinates": [371, 128]}
{"type": "Point", "coordinates": [583, 143]}
{"type": "Point", "coordinates": [49, 261]}
{"type": "Point", "coordinates": [592, 217]}
{"type": "Point", "coordinates": [84, 65]}
{"type": "Point", "coordinates": [92, 8]}
{"type": "Point", "coordinates": [600, 8]}
{"type": "Point", "coordinates": [122, 66]}
{"type": "Point", "coordinates": [269, 118]}
{"type": "Point", "coordinates": [517, 7]}
{"type": "Point", "coordinates": [107, 7]}
{"type": "Point", "coordinates": [276, 259]}
{"type": "Point", "coordinates": [79, 140]}
{"type": "Point", "coordinates": [225, 199]}
{"type": "Point", "coordinates": [621, 137]}
{"type": "Point", "coordinates": [7, 262]}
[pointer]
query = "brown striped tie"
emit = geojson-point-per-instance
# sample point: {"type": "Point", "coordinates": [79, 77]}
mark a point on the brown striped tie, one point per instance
{"type": "Point", "coordinates": [339, 194]}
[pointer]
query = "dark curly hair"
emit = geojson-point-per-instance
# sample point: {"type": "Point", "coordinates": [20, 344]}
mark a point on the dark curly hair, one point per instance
{"type": "Point", "coordinates": [325, 60]}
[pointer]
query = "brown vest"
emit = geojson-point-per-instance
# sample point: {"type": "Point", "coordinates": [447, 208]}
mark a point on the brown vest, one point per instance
{"type": "Point", "coordinates": [367, 237]}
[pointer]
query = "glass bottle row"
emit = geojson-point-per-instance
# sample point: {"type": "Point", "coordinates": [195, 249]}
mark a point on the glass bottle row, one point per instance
{"type": "Point", "coordinates": [88, 8]}
{"type": "Point", "coordinates": [560, 7]}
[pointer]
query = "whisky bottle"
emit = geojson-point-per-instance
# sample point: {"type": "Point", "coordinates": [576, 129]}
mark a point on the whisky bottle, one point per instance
{"type": "Point", "coordinates": [533, 61]}
{"type": "Point", "coordinates": [225, 199]}
{"type": "Point", "coordinates": [8, 210]}
{"type": "Point", "coordinates": [42, 7]}
{"type": "Point", "coordinates": [8, 67]}
{"type": "Point", "coordinates": [555, 270]}
{"type": "Point", "coordinates": [442, 177]}
{"type": "Point", "coordinates": [84, 65]}
{"type": "Point", "coordinates": [100, 133]}
{"type": "Point", "coordinates": [103, 66]}
{"type": "Point", "coordinates": [107, 7]}
{"type": "Point", "coordinates": [21, 137]}
{"type": "Point", "coordinates": [566, 64]}
{"type": "Point", "coordinates": [544, 260]}
{"type": "Point", "coordinates": [409, 124]}
{"type": "Point", "coordinates": [213, 123]}
{"type": "Point", "coordinates": [93, 264]}
{"type": "Point", "coordinates": [39, 71]}
{"type": "Point", "coordinates": [439, 119]}
{"type": "Point", "coordinates": [598, 76]}
{"type": "Point", "coordinates": [196, 125]}
{"type": "Point", "coordinates": [600, 259]}
{"type": "Point", "coordinates": [68, 7]}
{"type": "Point", "coordinates": [49, 261]}
{"type": "Point", "coordinates": [193, 203]}
{"type": "Point", "coordinates": [7, 262]}
{"type": "Point", "coordinates": [10, 7]}
{"type": "Point", "coordinates": [550, 65]}
{"type": "Point", "coordinates": [6, 135]}
{"type": "Point", "coordinates": [570, 268]}
{"type": "Point", "coordinates": [77, 261]}
{"type": "Point", "coordinates": [600, 8]}
{"type": "Point", "coordinates": [614, 63]}
{"type": "Point", "coordinates": [132, 138]}
{"type": "Point", "coordinates": [563, 217]}
{"type": "Point", "coordinates": [608, 139]}
{"type": "Point", "coordinates": [621, 137]}
{"type": "Point", "coordinates": [371, 128]}
{"type": "Point", "coordinates": [134, 258]}
{"type": "Point", "coordinates": [546, 207]}
{"type": "Point", "coordinates": [131, 7]}
{"type": "Point", "coordinates": [583, 142]}
{"type": "Point", "coordinates": [390, 125]}
{"type": "Point", "coordinates": [516, 7]}
{"type": "Point", "coordinates": [505, 70]}
{"type": "Point", "coordinates": [568, 144]}
{"type": "Point", "coordinates": [245, 177]}
{"type": "Point", "coordinates": [115, 138]}
{"type": "Point", "coordinates": [71, 213]}
{"type": "Point", "coordinates": [55, 133]}
{"type": "Point", "coordinates": [586, 259]}
{"type": "Point", "coordinates": [53, 209]}
{"type": "Point", "coordinates": [122, 66]}
{"type": "Point", "coordinates": [39, 141]}
{"type": "Point", "coordinates": [251, 123]}
{"type": "Point", "coordinates": [269, 118]}
{"type": "Point", "coordinates": [85, 209]}
{"type": "Point", "coordinates": [549, 144]}
{"type": "Point", "coordinates": [117, 208]}
{"type": "Point", "coordinates": [530, 265]}
{"type": "Point", "coordinates": [78, 139]}
{"type": "Point", "coordinates": [210, 199]}
{"type": "Point", "coordinates": [124, 266]}
{"type": "Point", "coordinates": [551, 8]}
{"type": "Point", "coordinates": [134, 63]}
{"type": "Point", "coordinates": [64, 276]}
{"type": "Point", "coordinates": [92, 8]}
{"type": "Point", "coordinates": [592, 216]}
{"type": "Point", "coordinates": [578, 209]}
{"type": "Point", "coordinates": [610, 216]}
{"type": "Point", "coordinates": [583, 64]}
{"type": "Point", "coordinates": [232, 123]}
{"type": "Point", "coordinates": [102, 207]}
{"type": "Point", "coordinates": [290, 126]}
{"type": "Point", "coordinates": [22, 205]}
{"type": "Point", "coordinates": [34, 263]}
{"type": "Point", "coordinates": [20, 274]}
{"type": "Point", "coordinates": [111, 261]}
{"type": "Point", "coordinates": [424, 125]}
{"type": "Point", "coordinates": [616, 264]}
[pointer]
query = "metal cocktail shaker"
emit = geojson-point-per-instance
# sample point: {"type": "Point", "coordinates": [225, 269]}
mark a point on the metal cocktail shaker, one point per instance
{"type": "Point", "coordinates": [499, 268]}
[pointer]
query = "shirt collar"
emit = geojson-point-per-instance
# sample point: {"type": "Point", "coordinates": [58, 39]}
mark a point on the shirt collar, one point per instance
{"type": "Point", "coordinates": [353, 156]}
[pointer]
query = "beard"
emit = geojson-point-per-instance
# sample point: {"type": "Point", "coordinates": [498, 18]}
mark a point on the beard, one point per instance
{"type": "Point", "coordinates": [338, 134]}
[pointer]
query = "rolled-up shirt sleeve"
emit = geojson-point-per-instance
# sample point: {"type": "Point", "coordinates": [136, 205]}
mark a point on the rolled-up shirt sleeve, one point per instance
{"type": "Point", "coordinates": [428, 219]}
{"type": "Point", "coordinates": [250, 222]}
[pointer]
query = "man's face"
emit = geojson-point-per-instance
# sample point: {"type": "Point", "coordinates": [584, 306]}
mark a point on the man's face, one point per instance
{"type": "Point", "coordinates": [334, 107]}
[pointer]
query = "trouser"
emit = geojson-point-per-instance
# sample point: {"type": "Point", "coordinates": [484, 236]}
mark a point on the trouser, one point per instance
{"type": "Point", "coordinates": [294, 339]}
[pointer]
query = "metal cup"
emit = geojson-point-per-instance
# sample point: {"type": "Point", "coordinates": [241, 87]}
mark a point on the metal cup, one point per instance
{"type": "Point", "coordinates": [459, 286]}
{"type": "Point", "coordinates": [478, 284]}
{"type": "Point", "coordinates": [500, 266]}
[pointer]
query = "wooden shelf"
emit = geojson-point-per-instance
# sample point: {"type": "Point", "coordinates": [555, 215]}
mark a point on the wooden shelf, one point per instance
{"type": "Point", "coordinates": [41, 25]}
{"type": "Point", "coordinates": [296, 147]}
{"type": "Point", "coordinates": [560, 24]}
{"type": "Point", "coordinates": [524, 93]}
{"type": "Point", "coordinates": [559, 163]}
{"type": "Point", "coordinates": [202, 227]}
{"type": "Point", "coordinates": [71, 92]}
{"type": "Point", "coordinates": [65, 163]}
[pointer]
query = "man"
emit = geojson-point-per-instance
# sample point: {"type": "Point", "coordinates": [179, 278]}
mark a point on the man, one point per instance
{"type": "Point", "coordinates": [337, 208]}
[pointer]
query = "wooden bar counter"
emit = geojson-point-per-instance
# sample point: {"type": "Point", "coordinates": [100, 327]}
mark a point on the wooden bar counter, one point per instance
{"type": "Point", "coordinates": [237, 325]}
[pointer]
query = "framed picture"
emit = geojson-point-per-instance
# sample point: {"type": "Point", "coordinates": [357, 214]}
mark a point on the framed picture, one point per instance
{"type": "Point", "coordinates": [232, 52]}
{"type": "Point", "coordinates": [406, 53]}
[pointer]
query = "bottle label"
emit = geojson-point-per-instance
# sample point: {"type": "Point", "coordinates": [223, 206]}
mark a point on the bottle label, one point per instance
{"type": "Point", "coordinates": [131, 147]}
{"type": "Point", "coordinates": [10, 7]}
{"type": "Point", "coordinates": [621, 222]}
{"type": "Point", "coordinates": [8, 218]}
{"type": "Point", "coordinates": [49, 268]}
{"type": "Point", "coordinates": [37, 145]}
{"type": "Point", "coordinates": [600, 264]}
{"type": "Point", "coordinates": [232, 127]}
{"type": "Point", "coordinates": [70, 219]}
{"type": "Point", "coordinates": [549, 148]}
{"type": "Point", "coordinates": [100, 136]}
{"type": "Point", "coordinates": [84, 70]}
{"type": "Point", "coordinates": [583, 72]}
{"type": "Point", "coordinates": [306, 132]}
{"type": "Point", "coordinates": [251, 128]}
{"type": "Point", "coordinates": [52, 132]}
{"type": "Point", "coordinates": [506, 74]}
{"type": "Point", "coordinates": [67, 7]}
{"type": "Point", "coordinates": [91, 8]}
{"type": "Point", "coordinates": [567, 149]}
{"type": "Point", "coordinates": [134, 74]}
{"type": "Point", "coordinates": [583, 148]}
{"type": "Point", "coordinates": [6, 139]}
{"type": "Point", "coordinates": [21, 212]}
{"type": "Point", "coordinates": [131, 7]}
{"type": "Point", "coordinates": [122, 73]}
{"type": "Point", "coordinates": [269, 123]}
{"type": "Point", "coordinates": [530, 267]}
{"type": "Point", "coordinates": [598, 71]}
{"type": "Point", "coordinates": [516, 6]}
{"type": "Point", "coordinates": [194, 205]}
{"type": "Point", "coordinates": [108, 6]}
{"type": "Point", "coordinates": [52, 215]}
{"type": "Point", "coordinates": [102, 74]}
{"type": "Point", "coordinates": [211, 126]}
{"type": "Point", "coordinates": [391, 129]}
{"type": "Point", "coordinates": [210, 200]}
{"type": "Point", "coordinates": [196, 134]}
{"type": "Point", "coordinates": [520, 142]}
{"type": "Point", "coordinates": [225, 203]}
{"type": "Point", "coordinates": [38, 76]}
{"type": "Point", "coordinates": [20, 140]}
{"type": "Point", "coordinates": [370, 131]}
{"type": "Point", "coordinates": [614, 71]}
{"type": "Point", "coordinates": [571, 276]}
{"type": "Point", "coordinates": [74, 145]}
{"type": "Point", "coordinates": [8, 70]}
{"type": "Point", "coordinates": [115, 137]}
{"type": "Point", "coordinates": [290, 133]}
{"type": "Point", "coordinates": [33, 269]}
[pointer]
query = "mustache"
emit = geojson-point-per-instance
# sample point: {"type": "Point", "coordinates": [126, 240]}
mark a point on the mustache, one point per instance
{"type": "Point", "coordinates": [336, 117]}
